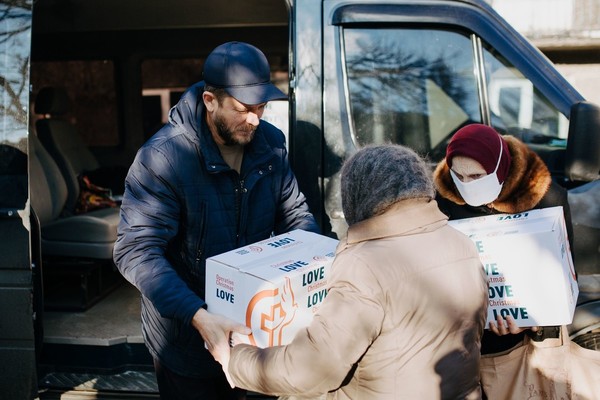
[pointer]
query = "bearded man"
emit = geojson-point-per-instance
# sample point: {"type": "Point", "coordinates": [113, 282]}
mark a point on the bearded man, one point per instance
{"type": "Point", "coordinates": [213, 179]}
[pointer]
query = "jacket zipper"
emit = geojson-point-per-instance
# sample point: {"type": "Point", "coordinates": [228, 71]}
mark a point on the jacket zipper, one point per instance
{"type": "Point", "coordinates": [240, 190]}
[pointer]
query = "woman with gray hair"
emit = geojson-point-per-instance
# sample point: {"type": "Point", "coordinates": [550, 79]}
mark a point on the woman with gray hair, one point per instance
{"type": "Point", "coordinates": [406, 302]}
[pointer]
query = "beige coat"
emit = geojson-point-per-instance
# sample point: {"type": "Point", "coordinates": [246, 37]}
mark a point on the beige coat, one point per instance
{"type": "Point", "coordinates": [402, 319]}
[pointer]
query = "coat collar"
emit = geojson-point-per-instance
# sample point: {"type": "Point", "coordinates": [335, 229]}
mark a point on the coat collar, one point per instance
{"type": "Point", "coordinates": [189, 115]}
{"type": "Point", "coordinates": [527, 182]}
{"type": "Point", "coordinates": [406, 217]}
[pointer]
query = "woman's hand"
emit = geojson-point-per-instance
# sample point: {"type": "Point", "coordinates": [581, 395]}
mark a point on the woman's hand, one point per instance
{"type": "Point", "coordinates": [507, 327]}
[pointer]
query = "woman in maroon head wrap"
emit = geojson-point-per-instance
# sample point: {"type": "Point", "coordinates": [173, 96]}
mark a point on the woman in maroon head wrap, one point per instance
{"type": "Point", "coordinates": [485, 173]}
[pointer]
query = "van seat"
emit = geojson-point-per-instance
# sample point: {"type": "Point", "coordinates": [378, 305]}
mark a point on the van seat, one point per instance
{"type": "Point", "coordinates": [62, 140]}
{"type": "Point", "coordinates": [72, 155]}
{"type": "Point", "coordinates": [88, 235]}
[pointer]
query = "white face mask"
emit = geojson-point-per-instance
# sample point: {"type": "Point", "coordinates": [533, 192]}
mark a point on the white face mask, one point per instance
{"type": "Point", "coordinates": [480, 191]}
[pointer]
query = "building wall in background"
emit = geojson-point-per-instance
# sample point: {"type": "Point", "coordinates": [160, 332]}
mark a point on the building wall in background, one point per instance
{"type": "Point", "coordinates": [567, 31]}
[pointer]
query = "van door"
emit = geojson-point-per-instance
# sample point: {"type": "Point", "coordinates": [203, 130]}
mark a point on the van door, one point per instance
{"type": "Point", "coordinates": [413, 73]}
{"type": "Point", "coordinates": [17, 264]}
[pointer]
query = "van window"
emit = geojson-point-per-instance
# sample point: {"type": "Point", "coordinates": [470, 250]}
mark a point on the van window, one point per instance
{"type": "Point", "coordinates": [163, 83]}
{"type": "Point", "coordinates": [416, 87]}
{"type": "Point", "coordinates": [90, 86]}
{"type": "Point", "coordinates": [14, 91]}
{"type": "Point", "coordinates": [518, 108]}
{"type": "Point", "coordinates": [165, 80]}
{"type": "Point", "coordinates": [409, 86]}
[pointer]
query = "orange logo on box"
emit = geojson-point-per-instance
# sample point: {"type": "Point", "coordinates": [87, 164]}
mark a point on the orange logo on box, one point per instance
{"type": "Point", "coordinates": [281, 312]}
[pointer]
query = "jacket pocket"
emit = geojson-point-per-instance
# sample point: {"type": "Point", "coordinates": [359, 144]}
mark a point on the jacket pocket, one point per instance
{"type": "Point", "coordinates": [193, 234]}
{"type": "Point", "coordinates": [198, 223]}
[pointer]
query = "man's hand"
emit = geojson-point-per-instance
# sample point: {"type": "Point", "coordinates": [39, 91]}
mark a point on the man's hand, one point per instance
{"type": "Point", "coordinates": [216, 331]}
{"type": "Point", "coordinates": [508, 328]}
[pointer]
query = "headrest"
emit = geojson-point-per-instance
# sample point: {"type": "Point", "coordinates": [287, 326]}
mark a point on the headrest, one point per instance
{"type": "Point", "coordinates": [52, 100]}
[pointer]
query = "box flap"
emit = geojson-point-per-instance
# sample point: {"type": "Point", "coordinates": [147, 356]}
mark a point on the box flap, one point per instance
{"type": "Point", "coordinates": [534, 221]}
{"type": "Point", "coordinates": [286, 252]}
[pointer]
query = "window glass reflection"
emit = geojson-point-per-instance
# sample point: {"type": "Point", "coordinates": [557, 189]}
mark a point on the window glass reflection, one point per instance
{"type": "Point", "coordinates": [518, 108]}
{"type": "Point", "coordinates": [15, 44]}
{"type": "Point", "coordinates": [410, 86]}
{"type": "Point", "coordinates": [15, 40]}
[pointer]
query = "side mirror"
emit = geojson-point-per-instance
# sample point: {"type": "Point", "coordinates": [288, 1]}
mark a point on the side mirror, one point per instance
{"type": "Point", "coordinates": [582, 162]}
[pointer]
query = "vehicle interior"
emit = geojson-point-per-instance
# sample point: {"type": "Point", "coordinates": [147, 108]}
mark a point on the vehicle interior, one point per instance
{"type": "Point", "coordinates": [103, 75]}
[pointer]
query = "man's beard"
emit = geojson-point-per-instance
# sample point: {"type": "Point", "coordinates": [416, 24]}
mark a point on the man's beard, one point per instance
{"type": "Point", "coordinates": [228, 136]}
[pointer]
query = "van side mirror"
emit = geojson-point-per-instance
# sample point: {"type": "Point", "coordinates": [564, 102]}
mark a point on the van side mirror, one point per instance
{"type": "Point", "coordinates": [582, 162]}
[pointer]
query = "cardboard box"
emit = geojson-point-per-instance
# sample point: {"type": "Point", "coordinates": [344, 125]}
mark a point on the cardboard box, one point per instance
{"type": "Point", "coordinates": [274, 286]}
{"type": "Point", "coordinates": [528, 262]}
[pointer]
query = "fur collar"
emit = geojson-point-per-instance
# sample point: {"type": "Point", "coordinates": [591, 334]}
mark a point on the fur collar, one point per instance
{"type": "Point", "coordinates": [527, 182]}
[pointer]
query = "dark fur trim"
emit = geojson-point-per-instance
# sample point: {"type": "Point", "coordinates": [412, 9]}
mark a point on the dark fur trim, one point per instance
{"type": "Point", "coordinates": [527, 182]}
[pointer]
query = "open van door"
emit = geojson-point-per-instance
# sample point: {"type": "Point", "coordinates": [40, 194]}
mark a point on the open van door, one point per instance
{"type": "Point", "coordinates": [17, 265]}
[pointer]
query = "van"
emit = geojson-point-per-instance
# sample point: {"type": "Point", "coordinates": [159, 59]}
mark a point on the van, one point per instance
{"type": "Point", "coordinates": [86, 82]}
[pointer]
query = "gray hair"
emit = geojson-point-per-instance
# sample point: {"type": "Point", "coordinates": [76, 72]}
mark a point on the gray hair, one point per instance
{"type": "Point", "coordinates": [377, 176]}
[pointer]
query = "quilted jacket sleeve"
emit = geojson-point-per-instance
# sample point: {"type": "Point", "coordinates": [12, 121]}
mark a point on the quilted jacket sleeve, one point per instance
{"type": "Point", "coordinates": [149, 220]}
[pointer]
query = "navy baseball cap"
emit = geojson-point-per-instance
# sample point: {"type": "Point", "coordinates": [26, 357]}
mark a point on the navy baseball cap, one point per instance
{"type": "Point", "coordinates": [243, 71]}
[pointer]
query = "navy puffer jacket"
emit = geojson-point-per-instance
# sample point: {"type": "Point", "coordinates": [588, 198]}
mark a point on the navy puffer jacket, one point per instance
{"type": "Point", "coordinates": [182, 204]}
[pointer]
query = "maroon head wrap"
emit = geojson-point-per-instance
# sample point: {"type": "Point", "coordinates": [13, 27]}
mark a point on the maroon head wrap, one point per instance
{"type": "Point", "coordinates": [482, 144]}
